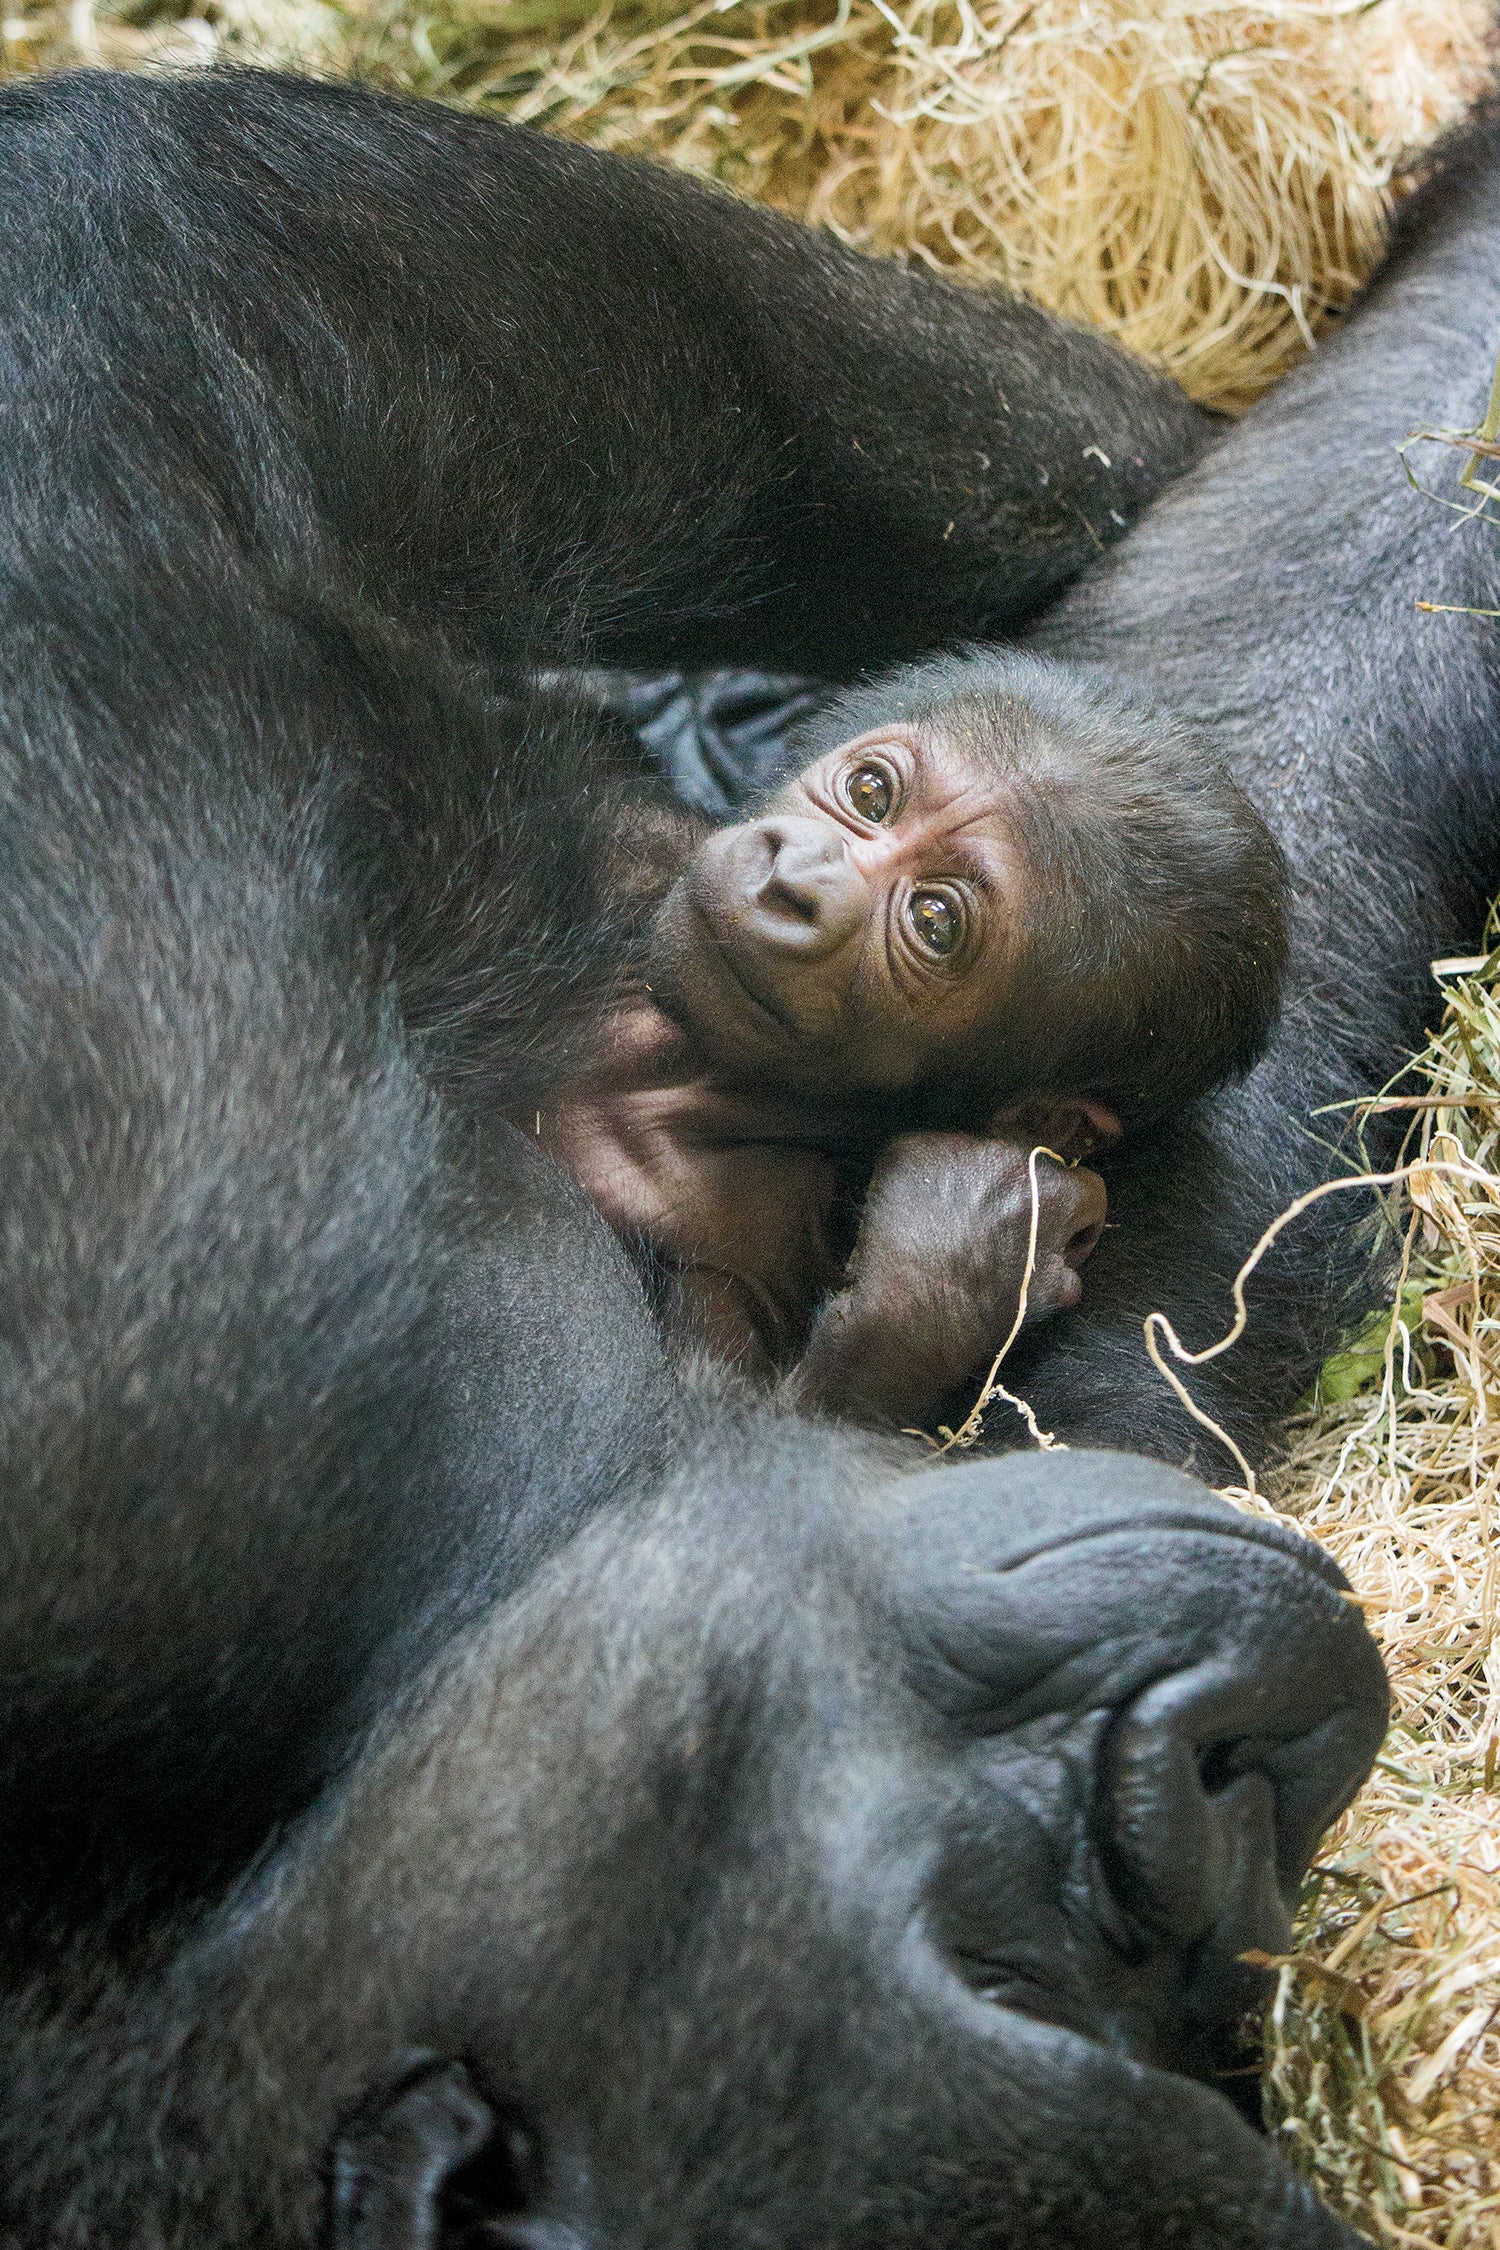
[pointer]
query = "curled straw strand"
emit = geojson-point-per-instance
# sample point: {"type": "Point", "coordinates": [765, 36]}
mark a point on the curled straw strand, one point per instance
{"type": "Point", "coordinates": [992, 1390]}
{"type": "Point", "coordinates": [1157, 1325]}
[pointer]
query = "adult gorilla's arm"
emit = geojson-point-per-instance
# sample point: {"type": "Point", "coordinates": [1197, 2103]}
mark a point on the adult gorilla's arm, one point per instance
{"type": "Point", "coordinates": [881, 1916]}
{"type": "Point", "coordinates": [1271, 600]}
{"type": "Point", "coordinates": [531, 391]}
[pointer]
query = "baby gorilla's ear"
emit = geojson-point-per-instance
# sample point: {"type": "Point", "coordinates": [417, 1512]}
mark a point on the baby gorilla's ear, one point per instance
{"type": "Point", "coordinates": [1070, 1125]}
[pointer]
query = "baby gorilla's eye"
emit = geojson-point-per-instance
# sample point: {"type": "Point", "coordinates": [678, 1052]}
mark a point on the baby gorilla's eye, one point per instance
{"type": "Point", "coordinates": [869, 791]}
{"type": "Point", "coordinates": [935, 920]}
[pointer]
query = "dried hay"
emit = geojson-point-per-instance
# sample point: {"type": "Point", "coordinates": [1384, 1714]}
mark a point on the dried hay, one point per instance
{"type": "Point", "coordinates": [1383, 2052]}
{"type": "Point", "coordinates": [1381, 2063]}
{"type": "Point", "coordinates": [1209, 180]}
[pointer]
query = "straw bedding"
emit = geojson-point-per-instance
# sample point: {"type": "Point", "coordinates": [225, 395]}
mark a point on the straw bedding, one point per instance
{"type": "Point", "coordinates": [1209, 180]}
{"type": "Point", "coordinates": [1383, 2076]}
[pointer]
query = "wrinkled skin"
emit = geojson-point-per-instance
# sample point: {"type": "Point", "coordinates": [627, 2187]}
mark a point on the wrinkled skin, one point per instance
{"type": "Point", "coordinates": [673, 1912]}
{"type": "Point", "coordinates": [1013, 837]}
{"type": "Point", "coordinates": [1000, 1870]}
{"type": "Point", "coordinates": [860, 932]}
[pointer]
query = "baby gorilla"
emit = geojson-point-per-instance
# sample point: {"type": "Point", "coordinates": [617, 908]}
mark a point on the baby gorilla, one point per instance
{"type": "Point", "coordinates": [1001, 907]}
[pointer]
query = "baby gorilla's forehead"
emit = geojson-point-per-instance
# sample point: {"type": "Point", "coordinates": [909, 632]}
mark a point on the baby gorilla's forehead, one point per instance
{"type": "Point", "coordinates": [990, 705]}
{"type": "Point", "coordinates": [968, 767]}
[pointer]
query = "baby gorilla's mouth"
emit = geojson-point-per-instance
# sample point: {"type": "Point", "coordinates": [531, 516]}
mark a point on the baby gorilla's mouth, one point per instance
{"type": "Point", "coordinates": [753, 992]}
{"type": "Point", "coordinates": [706, 965]}
{"type": "Point", "coordinates": [770, 912]}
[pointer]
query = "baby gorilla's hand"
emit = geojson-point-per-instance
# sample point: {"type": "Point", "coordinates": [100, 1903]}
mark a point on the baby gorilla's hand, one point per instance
{"type": "Point", "coordinates": [934, 1286]}
{"type": "Point", "coordinates": [951, 1216]}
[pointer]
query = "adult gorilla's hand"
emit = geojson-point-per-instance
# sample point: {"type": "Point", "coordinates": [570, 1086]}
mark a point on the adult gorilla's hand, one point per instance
{"type": "Point", "coordinates": [891, 1916]}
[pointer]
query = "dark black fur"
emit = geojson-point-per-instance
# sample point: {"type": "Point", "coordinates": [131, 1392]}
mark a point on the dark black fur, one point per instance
{"type": "Point", "coordinates": [381, 368]}
{"type": "Point", "coordinates": [422, 1709]}
{"type": "Point", "coordinates": [321, 414]}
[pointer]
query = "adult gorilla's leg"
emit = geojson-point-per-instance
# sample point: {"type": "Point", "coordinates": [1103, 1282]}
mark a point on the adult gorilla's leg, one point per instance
{"type": "Point", "coordinates": [511, 384]}
{"type": "Point", "coordinates": [802, 1857]}
{"type": "Point", "coordinates": [1271, 600]}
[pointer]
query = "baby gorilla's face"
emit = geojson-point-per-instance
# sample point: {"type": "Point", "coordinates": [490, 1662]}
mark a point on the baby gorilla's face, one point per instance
{"type": "Point", "coordinates": [857, 933]}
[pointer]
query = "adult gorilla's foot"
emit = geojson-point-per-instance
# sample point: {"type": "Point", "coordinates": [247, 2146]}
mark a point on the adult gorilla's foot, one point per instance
{"type": "Point", "coordinates": [819, 1857]}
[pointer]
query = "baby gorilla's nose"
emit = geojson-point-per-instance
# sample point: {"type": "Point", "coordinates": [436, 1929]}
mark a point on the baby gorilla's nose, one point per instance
{"type": "Point", "coordinates": [805, 894]}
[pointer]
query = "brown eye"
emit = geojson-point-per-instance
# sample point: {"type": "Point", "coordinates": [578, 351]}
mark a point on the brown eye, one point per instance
{"type": "Point", "coordinates": [869, 791]}
{"type": "Point", "coordinates": [935, 920]}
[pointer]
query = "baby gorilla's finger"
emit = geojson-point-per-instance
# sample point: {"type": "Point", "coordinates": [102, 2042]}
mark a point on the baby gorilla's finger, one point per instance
{"type": "Point", "coordinates": [1072, 1204]}
{"type": "Point", "coordinates": [954, 1229]}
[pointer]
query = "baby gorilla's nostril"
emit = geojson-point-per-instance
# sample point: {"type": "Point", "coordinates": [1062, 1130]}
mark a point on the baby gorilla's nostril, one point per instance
{"type": "Point", "coordinates": [799, 899]}
{"type": "Point", "coordinates": [807, 894]}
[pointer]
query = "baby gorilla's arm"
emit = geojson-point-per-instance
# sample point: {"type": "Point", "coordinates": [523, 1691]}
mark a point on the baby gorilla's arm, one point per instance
{"type": "Point", "coordinates": [934, 1285]}
{"type": "Point", "coordinates": [748, 1235]}
{"type": "Point", "coordinates": [741, 1209]}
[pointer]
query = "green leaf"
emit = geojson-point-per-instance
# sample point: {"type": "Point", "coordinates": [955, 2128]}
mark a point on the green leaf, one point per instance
{"type": "Point", "coordinates": [1358, 1365]}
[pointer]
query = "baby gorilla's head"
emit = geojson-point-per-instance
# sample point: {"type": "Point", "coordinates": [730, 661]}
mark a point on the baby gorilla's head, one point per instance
{"type": "Point", "coordinates": [995, 877]}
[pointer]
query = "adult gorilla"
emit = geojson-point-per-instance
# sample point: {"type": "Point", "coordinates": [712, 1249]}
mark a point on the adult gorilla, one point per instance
{"type": "Point", "coordinates": [599, 1810]}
